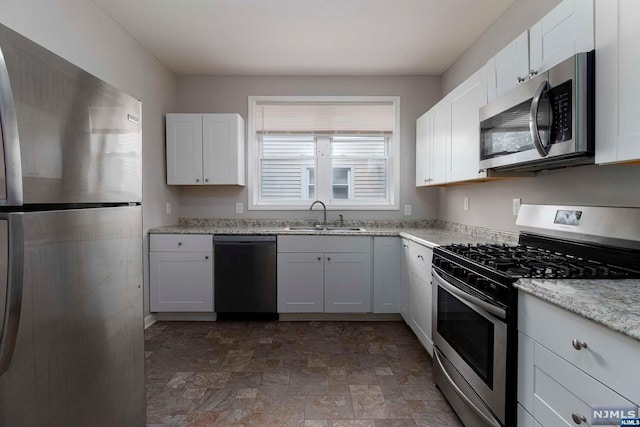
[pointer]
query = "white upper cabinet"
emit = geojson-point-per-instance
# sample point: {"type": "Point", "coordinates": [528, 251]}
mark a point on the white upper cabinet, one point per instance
{"type": "Point", "coordinates": [617, 92]}
{"type": "Point", "coordinates": [433, 135]}
{"type": "Point", "coordinates": [184, 149]}
{"type": "Point", "coordinates": [441, 140]}
{"type": "Point", "coordinates": [563, 32]}
{"type": "Point", "coordinates": [464, 155]}
{"type": "Point", "coordinates": [568, 29]}
{"type": "Point", "coordinates": [424, 149]}
{"type": "Point", "coordinates": [509, 67]}
{"type": "Point", "coordinates": [205, 149]}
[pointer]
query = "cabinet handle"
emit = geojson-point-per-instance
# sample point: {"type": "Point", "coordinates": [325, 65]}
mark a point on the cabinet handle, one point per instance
{"type": "Point", "coordinates": [206, 180]}
{"type": "Point", "coordinates": [328, 258]}
{"type": "Point", "coordinates": [206, 257]}
{"type": "Point", "coordinates": [578, 419]}
{"type": "Point", "coordinates": [421, 257]}
{"type": "Point", "coordinates": [532, 73]}
{"type": "Point", "coordinates": [521, 79]}
{"type": "Point", "coordinates": [578, 345]}
{"type": "Point", "coordinates": [197, 179]}
{"type": "Point", "coordinates": [179, 243]}
{"type": "Point", "coordinates": [319, 258]}
{"type": "Point", "coordinates": [406, 246]}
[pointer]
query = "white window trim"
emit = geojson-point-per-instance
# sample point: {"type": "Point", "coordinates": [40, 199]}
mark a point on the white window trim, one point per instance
{"type": "Point", "coordinates": [253, 163]}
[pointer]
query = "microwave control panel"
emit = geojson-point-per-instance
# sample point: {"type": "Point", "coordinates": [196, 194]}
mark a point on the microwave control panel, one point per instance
{"type": "Point", "coordinates": [560, 97]}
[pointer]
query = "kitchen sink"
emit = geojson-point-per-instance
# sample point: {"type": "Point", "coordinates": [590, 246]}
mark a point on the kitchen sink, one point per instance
{"type": "Point", "coordinates": [320, 228]}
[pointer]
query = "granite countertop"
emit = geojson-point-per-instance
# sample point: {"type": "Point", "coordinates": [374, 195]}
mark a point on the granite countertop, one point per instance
{"type": "Point", "coordinates": [612, 303]}
{"type": "Point", "coordinates": [427, 233]}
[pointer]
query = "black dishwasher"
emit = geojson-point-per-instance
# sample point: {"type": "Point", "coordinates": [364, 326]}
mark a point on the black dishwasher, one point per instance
{"type": "Point", "coordinates": [245, 279]}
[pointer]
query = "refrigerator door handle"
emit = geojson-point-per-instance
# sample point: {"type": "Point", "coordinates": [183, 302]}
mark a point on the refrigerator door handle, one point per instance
{"type": "Point", "coordinates": [13, 300]}
{"type": "Point", "coordinates": [10, 149]}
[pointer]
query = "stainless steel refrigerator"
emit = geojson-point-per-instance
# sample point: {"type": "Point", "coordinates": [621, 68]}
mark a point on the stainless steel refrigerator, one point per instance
{"type": "Point", "coordinates": [72, 347]}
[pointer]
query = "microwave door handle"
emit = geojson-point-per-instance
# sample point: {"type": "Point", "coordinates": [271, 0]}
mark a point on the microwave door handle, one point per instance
{"type": "Point", "coordinates": [10, 140]}
{"type": "Point", "coordinates": [13, 300]}
{"type": "Point", "coordinates": [533, 121]}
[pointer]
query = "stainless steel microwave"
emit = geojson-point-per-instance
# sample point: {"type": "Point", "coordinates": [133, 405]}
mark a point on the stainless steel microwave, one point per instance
{"type": "Point", "coordinates": [546, 122]}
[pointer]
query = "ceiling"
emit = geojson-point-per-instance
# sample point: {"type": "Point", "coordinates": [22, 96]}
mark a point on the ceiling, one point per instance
{"type": "Point", "coordinates": [305, 37]}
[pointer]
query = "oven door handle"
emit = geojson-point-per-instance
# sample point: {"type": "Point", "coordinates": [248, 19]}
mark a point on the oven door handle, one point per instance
{"type": "Point", "coordinates": [490, 308]}
{"type": "Point", "coordinates": [461, 394]}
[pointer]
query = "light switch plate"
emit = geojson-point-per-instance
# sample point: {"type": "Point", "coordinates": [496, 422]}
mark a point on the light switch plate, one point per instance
{"type": "Point", "coordinates": [466, 204]}
{"type": "Point", "coordinates": [239, 208]}
{"type": "Point", "coordinates": [407, 210]}
{"type": "Point", "coordinates": [167, 208]}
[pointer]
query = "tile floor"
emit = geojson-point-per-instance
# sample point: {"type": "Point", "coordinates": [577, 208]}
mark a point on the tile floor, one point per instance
{"type": "Point", "coordinates": [303, 374]}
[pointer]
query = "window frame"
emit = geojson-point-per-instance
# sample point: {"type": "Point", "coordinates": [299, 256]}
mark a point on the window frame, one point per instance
{"type": "Point", "coordinates": [253, 159]}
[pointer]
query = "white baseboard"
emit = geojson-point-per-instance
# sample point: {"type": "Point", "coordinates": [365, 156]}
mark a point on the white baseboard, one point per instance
{"type": "Point", "coordinates": [350, 317]}
{"type": "Point", "coordinates": [149, 320]}
{"type": "Point", "coordinates": [189, 317]}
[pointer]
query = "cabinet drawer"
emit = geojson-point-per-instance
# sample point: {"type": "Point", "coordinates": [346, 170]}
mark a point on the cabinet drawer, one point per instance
{"type": "Point", "coordinates": [324, 244]}
{"type": "Point", "coordinates": [420, 255]}
{"type": "Point", "coordinates": [608, 357]}
{"type": "Point", "coordinates": [181, 243]}
{"type": "Point", "coordinates": [562, 391]}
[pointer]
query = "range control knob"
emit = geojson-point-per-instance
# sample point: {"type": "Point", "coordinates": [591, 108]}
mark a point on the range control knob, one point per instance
{"type": "Point", "coordinates": [472, 279]}
{"type": "Point", "coordinates": [482, 283]}
{"type": "Point", "coordinates": [457, 272]}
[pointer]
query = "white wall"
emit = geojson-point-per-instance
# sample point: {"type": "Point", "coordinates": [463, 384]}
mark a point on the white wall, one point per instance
{"type": "Point", "coordinates": [224, 94]}
{"type": "Point", "coordinates": [82, 33]}
{"type": "Point", "coordinates": [491, 202]}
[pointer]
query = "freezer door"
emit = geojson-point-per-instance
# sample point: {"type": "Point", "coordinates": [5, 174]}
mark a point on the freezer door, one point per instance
{"type": "Point", "coordinates": [79, 353]}
{"type": "Point", "coordinates": [79, 138]}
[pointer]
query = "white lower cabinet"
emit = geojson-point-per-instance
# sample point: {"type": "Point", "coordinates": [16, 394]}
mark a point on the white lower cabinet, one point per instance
{"type": "Point", "coordinates": [300, 282]}
{"type": "Point", "coordinates": [347, 283]}
{"type": "Point", "coordinates": [181, 273]}
{"type": "Point", "coordinates": [568, 366]}
{"type": "Point", "coordinates": [324, 274]}
{"type": "Point", "coordinates": [388, 293]}
{"type": "Point", "coordinates": [417, 276]}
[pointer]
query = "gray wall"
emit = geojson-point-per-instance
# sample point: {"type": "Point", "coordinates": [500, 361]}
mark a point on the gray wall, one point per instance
{"type": "Point", "coordinates": [224, 94]}
{"type": "Point", "coordinates": [82, 33]}
{"type": "Point", "coordinates": [490, 203]}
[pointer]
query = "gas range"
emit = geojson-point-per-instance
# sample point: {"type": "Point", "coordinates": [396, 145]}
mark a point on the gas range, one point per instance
{"type": "Point", "coordinates": [475, 302]}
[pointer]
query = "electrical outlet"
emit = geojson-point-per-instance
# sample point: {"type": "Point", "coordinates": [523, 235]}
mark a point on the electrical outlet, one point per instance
{"type": "Point", "coordinates": [167, 208]}
{"type": "Point", "coordinates": [516, 206]}
{"type": "Point", "coordinates": [466, 204]}
{"type": "Point", "coordinates": [239, 208]}
{"type": "Point", "coordinates": [407, 210]}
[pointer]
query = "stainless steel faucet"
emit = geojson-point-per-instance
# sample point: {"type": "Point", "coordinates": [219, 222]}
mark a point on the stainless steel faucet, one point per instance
{"type": "Point", "coordinates": [324, 207]}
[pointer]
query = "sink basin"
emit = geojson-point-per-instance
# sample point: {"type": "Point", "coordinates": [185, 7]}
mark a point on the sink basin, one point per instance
{"type": "Point", "coordinates": [324, 228]}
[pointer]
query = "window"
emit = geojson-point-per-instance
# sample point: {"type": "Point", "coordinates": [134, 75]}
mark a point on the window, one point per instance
{"type": "Point", "coordinates": [341, 150]}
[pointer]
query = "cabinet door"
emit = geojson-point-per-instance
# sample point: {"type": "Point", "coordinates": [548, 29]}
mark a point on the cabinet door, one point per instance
{"type": "Point", "coordinates": [563, 32]}
{"type": "Point", "coordinates": [181, 281]}
{"type": "Point", "coordinates": [424, 149]}
{"type": "Point", "coordinates": [347, 283]}
{"type": "Point", "coordinates": [617, 88]}
{"type": "Point", "coordinates": [420, 305]}
{"type": "Point", "coordinates": [406, 276]}
{"type": "Point", "coordinates": [300, 282]}
{"type": "Point", "coordinates": [441, 140]}
{"type": "Point", "coordinates": [525, 419]}
{"type": "Point", "coordinates": [223, 149]}
{"type": "Point", "coordinates": [184, 149]}
{"type": "Point", "coordinates": [387, 292]}
{"type": "Point", "coordinates": [511, 63]}
{"type": "Point", "coordinates": [464, 154]}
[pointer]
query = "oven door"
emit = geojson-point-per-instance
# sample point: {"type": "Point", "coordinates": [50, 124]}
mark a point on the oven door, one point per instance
{"type": "Point", "coordinates": [471, 336]}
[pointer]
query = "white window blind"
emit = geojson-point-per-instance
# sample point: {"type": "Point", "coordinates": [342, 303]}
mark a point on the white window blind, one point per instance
{"type": "Point", "coordinates": [343, 153]}
{"type": "Point", "coordinates": [324, 118]}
